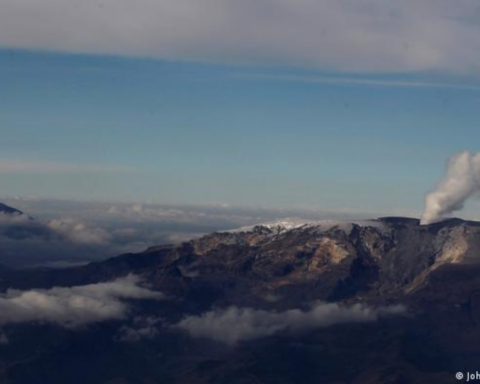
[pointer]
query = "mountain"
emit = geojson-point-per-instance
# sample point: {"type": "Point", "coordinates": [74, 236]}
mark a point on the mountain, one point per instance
{"type": "Point", "coordinates": [5, 209]}
{"type": "Point", "coordinates": [375, 301]}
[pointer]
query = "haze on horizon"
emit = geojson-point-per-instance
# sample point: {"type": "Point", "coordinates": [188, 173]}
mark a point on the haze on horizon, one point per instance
{"type": "Point", "coordinates": [335, 105]}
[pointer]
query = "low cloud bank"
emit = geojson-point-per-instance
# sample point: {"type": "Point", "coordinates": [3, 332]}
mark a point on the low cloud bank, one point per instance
{"type": "Point", "coordinates": [28, 242]}
{"type": "Point", "coordinates": [233, 325]}
{"type": "Point", "coordinates": [73, 307]}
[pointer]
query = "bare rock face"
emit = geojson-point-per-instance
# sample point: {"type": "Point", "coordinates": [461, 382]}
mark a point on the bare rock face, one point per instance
{"type": "Point", "coordinates": [394, 255]}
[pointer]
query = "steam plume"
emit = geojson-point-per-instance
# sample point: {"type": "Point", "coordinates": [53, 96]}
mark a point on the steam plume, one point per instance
{"type": "Point", "coordinates": [462, 180]}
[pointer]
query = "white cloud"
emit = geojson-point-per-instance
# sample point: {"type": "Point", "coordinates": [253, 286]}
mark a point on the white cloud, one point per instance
{"type": "Point", "coordinates": [30, 242]}
{"type": "Point", "coordinates": [369, 82]}
{"type": "Point", "coordinates": [233, 325]}
{"type": "Point", "coordinates": [79, 233]}
{"type": "Point", "coordinates": [344, 35]}
{"type": "Point", "coordinates": [73, 307]}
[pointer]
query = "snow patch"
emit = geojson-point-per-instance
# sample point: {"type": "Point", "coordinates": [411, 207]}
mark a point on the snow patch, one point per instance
{"type": "Point", "coordinates": [289, 224]}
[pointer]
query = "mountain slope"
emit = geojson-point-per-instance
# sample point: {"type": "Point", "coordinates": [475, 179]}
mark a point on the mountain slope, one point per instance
{"type": "Point", "coordinates": [5, 209]}
{"type": "Point", "coordinates": [268, 271]}
{"type": "Point", "coordinates": [378, 259]}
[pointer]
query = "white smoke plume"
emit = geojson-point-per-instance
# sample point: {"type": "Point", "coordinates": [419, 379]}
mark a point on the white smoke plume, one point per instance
{"type": "Point", "coordinates": [462, 180]}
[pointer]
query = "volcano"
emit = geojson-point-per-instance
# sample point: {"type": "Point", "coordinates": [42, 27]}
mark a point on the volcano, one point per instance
{"type": "Point", "coordinates": [276, 273]}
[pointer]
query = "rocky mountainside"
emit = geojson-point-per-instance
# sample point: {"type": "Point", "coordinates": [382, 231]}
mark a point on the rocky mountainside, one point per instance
{"type": "Point", "coordinates": [328, 260]}
{"type": "Point", "coordinates": [432, 272]}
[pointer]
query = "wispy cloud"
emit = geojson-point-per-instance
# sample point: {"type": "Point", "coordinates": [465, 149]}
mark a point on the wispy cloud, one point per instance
{"type": "Point", "coordinates": [29, 166]}
{"type": "Point", "coordinates": [233, 325]}
{"type": "Point", "coordinates": [362, 81]}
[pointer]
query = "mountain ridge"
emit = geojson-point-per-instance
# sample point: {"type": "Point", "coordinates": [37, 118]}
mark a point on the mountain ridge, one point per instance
{"type": "Point", "coordinates": [305, 252]}
{"type": "Point", "coordinates": [432, 271]}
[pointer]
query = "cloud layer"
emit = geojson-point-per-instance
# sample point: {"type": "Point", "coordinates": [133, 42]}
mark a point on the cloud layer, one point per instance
{"type": "Point", "coordinates": [28, 242]}
{"type": "Point", "coordinates": [233, 325]}
{"type": "Point", "coordinates": [73, 307]}
{"type": "Point", "coordinates": [345, 35]}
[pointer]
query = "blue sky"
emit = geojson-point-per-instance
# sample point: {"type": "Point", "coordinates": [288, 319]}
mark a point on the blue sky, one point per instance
{"type": "Point", "coordinates": [99, 118]}
{"type": "Point", "coordinates": [172, 132]}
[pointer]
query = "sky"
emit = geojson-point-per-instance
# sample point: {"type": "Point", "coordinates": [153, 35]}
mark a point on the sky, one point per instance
{"type": "Point", "coordinates": [350, 106]}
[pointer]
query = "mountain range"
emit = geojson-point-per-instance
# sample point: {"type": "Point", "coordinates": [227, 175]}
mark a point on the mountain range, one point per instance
{"type": "Point", "coordinates": [375, 301]}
